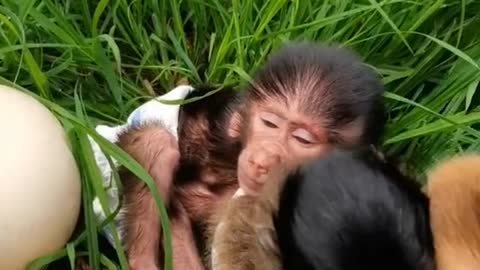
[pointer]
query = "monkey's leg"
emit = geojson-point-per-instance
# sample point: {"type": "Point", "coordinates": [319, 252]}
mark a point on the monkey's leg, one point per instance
{"type": "Point", "coordinates": [185, 253]}
{"type": "Point", "coordinates": [82, 264]}
{"type": "Point", "coordinates": [157, 151]}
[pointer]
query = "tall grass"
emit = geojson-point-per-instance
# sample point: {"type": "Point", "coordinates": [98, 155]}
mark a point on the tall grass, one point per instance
{"type": "Point", "coordinates": [92, 62]}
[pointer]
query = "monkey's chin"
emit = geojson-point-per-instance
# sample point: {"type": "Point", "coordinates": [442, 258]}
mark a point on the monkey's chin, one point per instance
{"type": "Point", "coordinates": [247, 191]}
{"type": "Point", "coordinates": [249, 186]}
{"type": "Point", "coordinates": [239, 193]}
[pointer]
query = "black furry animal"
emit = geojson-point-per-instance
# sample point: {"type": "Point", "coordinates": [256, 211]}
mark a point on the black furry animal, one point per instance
{"type": "Point", "coordinates": [351, 211]}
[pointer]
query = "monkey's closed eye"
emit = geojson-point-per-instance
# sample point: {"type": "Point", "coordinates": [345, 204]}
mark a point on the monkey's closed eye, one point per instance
{"type": "Point", "coordinates": [302, 140]}
{"type": "Point", "coordinates": [269, 124]}
{"type": "Point", "coordinates": [303, 136]}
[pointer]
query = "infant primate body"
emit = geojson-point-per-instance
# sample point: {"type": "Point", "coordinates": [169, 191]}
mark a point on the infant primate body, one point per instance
{"type": "Point", "coordinates": [306, 100]}
{"type": "Point", "coordinates": [352, 210]}
{"type": "Point", "coordinates": [349, 210]}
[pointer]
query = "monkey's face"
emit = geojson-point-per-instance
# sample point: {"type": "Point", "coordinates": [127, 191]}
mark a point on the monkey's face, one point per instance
{"type": "Point", "coordinates": [277, 137]}
{"type": "Point", "coordinates": [303, 102]}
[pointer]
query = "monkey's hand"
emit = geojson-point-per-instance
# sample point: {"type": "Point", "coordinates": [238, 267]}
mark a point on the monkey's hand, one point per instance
{"type": "Point", "coordinates": [258, 164]}
{"type": "Point", "coordinates": [245, 238]}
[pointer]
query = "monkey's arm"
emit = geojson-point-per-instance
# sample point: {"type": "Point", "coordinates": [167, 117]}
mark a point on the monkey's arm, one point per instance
{"type": "Point", "coordinates": [151, 111]}
{"type": "Point", "coordinates": [245, 237]}
{"type": "Point", "coordinates": [185, 252]}
{"type": "Point", "coordinates": [156, 150]}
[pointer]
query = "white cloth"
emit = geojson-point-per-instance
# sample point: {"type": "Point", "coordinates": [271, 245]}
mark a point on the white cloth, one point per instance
{"type": "Point", "coordinates": [151, 110]}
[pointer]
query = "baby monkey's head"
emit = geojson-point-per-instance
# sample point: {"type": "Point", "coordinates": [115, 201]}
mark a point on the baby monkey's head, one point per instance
{"type": "Point", "coordinates": [305, 101]}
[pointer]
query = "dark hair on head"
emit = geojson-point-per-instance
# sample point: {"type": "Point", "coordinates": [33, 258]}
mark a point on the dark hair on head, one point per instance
{"type": "Point", "coordinates": [351, 211]}
{"type": "Point", "coordinates": [329, 82]}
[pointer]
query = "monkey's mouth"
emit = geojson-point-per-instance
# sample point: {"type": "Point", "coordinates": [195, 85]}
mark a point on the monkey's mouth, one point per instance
{"type": "Point", "coordinates": [251, 186]}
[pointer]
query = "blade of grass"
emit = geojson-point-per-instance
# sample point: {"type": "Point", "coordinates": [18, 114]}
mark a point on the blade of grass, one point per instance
{"type": "Point", "coordinates": [96, 16]}
{"type": "Point", "coordinates": [451, 48]}
{"type": "Point", "coordinates": [95, 176]}
{"type": "Point", "coordinates": [452, 122]}
{"type": "Point", "coordinates": [71, 255]}
{"type": "Point", "coordinates": [391, 23]}
{"type": "Point", "coordinates": [438, 126]}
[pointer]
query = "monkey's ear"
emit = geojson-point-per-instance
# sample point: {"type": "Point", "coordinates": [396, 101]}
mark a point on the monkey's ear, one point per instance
{"type": "Point", "coordinates": [235, 125]}
{"type": "Point", "coordinates": [268, 239]}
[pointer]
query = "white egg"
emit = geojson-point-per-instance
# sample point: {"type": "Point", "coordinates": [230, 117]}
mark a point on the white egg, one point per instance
{"type": "Point", "coordinates": [40, 189]}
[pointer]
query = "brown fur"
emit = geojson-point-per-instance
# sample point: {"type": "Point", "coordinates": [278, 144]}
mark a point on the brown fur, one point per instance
{"type": "Point", "coordinates": [332, 85]}
{"type": "Point", "coordinates": [454, 191]}
{"type": "Point", "coordinates": [337, 97]}
{"type": "Point", "coordinates": [185, 254]}
{"type": "Point", "coordinates": [210, 147]}
{"type": "Point", "coordinates": [156, 150]}
{"type": "Point", "coordinates": [245, 238]}
{"type": "Point", "coordinates": [81, 264]}
{"type": "Point", "coordinates": [207, 173]}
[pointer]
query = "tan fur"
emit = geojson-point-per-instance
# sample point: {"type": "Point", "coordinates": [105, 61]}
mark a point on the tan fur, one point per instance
{"type": "Point", "coordinates": [454, 191]}
{"type": "Point", "coordinates": [245, 239]}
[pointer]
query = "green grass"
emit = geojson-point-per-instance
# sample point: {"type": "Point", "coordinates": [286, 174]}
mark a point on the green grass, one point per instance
{"type": "Point", "coordinates": [92, 62]}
